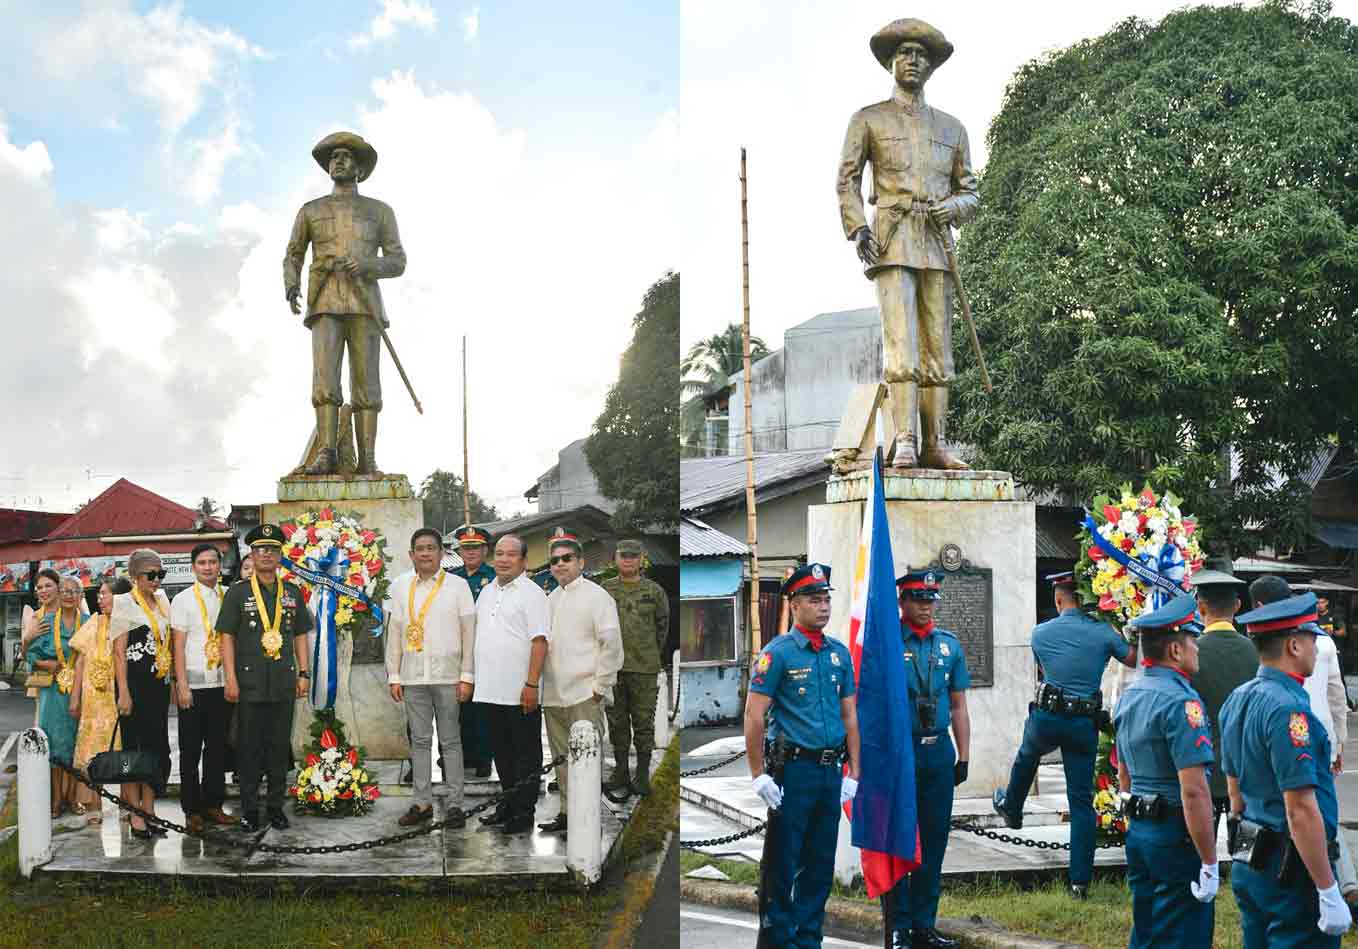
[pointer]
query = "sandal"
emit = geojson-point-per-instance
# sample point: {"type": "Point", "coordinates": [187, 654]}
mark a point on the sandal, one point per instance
{"type": "Point", "coordinates": [79, 807]}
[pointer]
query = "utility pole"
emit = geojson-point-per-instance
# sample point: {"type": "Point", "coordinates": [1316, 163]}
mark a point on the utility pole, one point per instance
{"type": "Point", "coordinates": [466, 464]}
{"type": "Point", "coordinates": [751, 533]}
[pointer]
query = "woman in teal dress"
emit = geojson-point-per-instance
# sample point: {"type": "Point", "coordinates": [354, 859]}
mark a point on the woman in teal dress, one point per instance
{"type": "Point", "coordinates": [51, 652]}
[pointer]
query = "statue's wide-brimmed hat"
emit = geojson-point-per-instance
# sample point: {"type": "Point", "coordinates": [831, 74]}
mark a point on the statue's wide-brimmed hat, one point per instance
{"type": "Point", "coordinates": [889, 38]}
{"type": "Point", "coordinates": [364, 154]}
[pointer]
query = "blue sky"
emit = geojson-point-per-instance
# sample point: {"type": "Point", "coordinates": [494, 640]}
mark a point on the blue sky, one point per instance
{"type": "Point", "coordinates": [153, 155]}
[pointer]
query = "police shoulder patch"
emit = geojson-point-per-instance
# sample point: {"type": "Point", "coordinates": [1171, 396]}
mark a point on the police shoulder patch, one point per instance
{"type": "Point", "coordinates": [1193, 712]}
{"type": "Point", "coordinates": [1299, 729]}
{"type": "Point", "coordinates": [765, 660]}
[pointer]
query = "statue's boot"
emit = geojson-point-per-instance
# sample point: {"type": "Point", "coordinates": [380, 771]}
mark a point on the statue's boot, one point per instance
{"type": "Point", "coordinates": [933, 419]}
{"type": "Point", "coordinates": [365, 433]}
{"type": "Point", "coordinates": [327, 431]}
{"type": "Point", "coordinates": [904, 398]}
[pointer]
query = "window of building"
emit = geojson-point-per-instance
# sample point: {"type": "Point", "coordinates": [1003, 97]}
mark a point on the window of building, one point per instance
{"type": "Point", "coordinates": [707, 630]}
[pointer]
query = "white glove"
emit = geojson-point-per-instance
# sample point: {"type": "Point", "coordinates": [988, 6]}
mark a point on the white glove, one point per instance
{"type": "Point", "coordinates": [1205, 890]}
{"type": "Point", "coordinates": [847, 790]}
{"type": "Point", "coordinates": [1334, 912]}
{"type": "Point", "coordinates": [768, 791]}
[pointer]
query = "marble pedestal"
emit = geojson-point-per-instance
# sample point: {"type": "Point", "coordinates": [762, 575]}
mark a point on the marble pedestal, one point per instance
{"type": "Point", "coordinates": [362, 702]}
{"type": "Point", "coordinates": [997, 534]}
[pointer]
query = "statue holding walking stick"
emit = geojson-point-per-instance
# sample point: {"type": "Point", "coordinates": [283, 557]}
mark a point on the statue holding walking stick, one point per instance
{"type": "Point", "coordinates": [344, 308]}
{"type": "Point", "coordinates": [922, 186]}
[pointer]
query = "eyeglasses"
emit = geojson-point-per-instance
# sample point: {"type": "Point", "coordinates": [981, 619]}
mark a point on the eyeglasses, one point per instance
{"type": "Point", "coordinates": [562, 558]}
{"type": "Point", "coordinates": [155, 574]}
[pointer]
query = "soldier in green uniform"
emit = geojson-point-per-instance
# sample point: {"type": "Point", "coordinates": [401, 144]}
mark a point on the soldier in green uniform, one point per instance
{"type": "Point", "coordinates": [263, 625]}
{"type": "Point", "coordinates": [472, 544]}
{"type": "Point", "coordinates": [644, 613]}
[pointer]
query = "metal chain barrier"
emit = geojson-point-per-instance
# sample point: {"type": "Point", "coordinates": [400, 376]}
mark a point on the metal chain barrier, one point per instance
{"type": "Point", "coordinates": [712, 767]}
{"type": "Point", "coordinates": [718, 841]}
{"type": "Point", "coordinates": [965, 823]}
{"type": "Point", "coordinates": [251, 843]}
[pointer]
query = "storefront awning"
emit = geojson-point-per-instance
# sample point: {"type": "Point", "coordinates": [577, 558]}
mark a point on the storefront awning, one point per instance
{"type": "Point", "coordinates": [709, 577]}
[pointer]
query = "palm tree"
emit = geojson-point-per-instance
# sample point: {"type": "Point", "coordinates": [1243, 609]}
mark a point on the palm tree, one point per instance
{"type": "Point", "coordinates": [709, 365]}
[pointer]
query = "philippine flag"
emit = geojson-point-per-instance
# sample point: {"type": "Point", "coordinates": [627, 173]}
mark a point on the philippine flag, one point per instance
{"type": "Point", "coordinates": [883, 812]}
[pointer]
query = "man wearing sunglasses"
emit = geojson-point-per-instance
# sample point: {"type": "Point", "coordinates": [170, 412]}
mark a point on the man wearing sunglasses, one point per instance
{"type": "Point", "coordinates": [583, 656]}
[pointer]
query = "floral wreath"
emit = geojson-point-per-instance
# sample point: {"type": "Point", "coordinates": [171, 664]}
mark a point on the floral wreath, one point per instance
{"type": "Point", "coordinates": [1135, 553]}
{"type": "Point", "coordinates": [309, 540]}
{"type": "Point", "coordinates": [332, 781]}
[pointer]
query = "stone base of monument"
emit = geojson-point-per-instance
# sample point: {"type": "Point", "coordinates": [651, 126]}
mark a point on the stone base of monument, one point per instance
{"type": "Point", "coordinates": [384, 503]}
{"type": "Point", "coordinates": [983, 548]}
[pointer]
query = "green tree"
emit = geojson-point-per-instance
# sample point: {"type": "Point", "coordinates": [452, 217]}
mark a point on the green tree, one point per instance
{"type": "Point", "coordinates": [634, 446]}
{"type": "Point", "coordinates": [442, 493]}
{"type": "Point", "coordinates": [207, 507]}
{"type": "Point", "coordinates": [709, 365]}
{"type": "Point", "coordinates": [1165, 266]}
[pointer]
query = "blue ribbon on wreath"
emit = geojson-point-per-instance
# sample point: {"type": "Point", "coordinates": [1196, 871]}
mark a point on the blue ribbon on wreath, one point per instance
{"type": "Point", "coordinates": [1163, 575]}
{"type": "Point", "coordinates": [322, 575]}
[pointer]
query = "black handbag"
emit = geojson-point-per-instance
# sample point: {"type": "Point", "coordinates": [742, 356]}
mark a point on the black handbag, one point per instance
{"type": "Point", "coordinates": [123, 767]}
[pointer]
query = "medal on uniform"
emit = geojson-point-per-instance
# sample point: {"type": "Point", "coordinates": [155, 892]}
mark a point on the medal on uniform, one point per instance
{"type": "Point", "coordinates": [212, 644]}
{"type": "Point", "coordinates": [164, 658]}
{"type": "Point", "coordinates": [101, 666]}
{"type": "Point", "coordinates": [415, 626]}
{"type": "Point", "coordinates": [65, 674]}
{"type": "Point", "coordinates": [272, 638]}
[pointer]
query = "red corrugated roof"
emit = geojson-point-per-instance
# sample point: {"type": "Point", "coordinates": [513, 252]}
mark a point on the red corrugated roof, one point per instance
{"type": "Point", "coordinates": [26, 525]}
{"type": "Point", "coordinates": [126, 508]}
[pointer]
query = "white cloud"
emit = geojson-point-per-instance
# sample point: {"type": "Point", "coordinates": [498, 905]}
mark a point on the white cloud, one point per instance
{"type": "Point", "coordinates": [118, 229]}
{"type": "Point", "coordinates": [395, 14]}
{"type": "Point", "coordinates": [208, 158]}
{"type": "Point", "coordinates": [471, 24]}
{"type": "Point", "coordinates": [31, 162]}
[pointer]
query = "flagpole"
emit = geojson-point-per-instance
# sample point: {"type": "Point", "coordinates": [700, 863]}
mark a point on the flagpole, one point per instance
{"type": "Point", "coordinates": [466, 463]}
{"type": "Point", "coordinates": [751, 534]}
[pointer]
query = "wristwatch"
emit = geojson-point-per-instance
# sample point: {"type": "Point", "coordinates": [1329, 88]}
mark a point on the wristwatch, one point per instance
{"type": "Point", "coordinates": [304, 674]}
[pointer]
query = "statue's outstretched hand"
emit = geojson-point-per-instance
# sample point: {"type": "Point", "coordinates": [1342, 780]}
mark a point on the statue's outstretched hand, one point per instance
{"type": "Point", "coordinates": [867, 248]}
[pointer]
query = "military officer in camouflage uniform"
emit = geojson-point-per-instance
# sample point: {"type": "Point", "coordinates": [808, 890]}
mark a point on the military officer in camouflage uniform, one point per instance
{"type": "Point", "coordinates": [644, 612]}
{"type": "Point", "coordinates": [264, 653]}
{"type": "Point", "coordinates": [345, 231]}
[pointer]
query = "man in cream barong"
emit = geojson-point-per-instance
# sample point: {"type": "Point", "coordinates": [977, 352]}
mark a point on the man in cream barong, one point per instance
{"type": "Point", "coordinates": [583, 658]}
{"type": "Point", "coordinates": [200, 683]}
{"type": "Point", "coordinates": [431, 658]}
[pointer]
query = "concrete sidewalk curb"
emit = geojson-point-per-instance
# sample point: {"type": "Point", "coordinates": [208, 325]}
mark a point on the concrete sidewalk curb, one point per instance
{"type": "Point", "coordinates": [865, 919]}
{"type": "Point", "coordinates": [717, 806]}
{"type": "Point", "coordinates": [624, 929]}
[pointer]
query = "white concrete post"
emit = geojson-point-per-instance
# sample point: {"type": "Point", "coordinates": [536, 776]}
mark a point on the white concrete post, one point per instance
{"type": "Point", "coordinates": [35, 804]}
{"type": "Point", "coordinates": [584, 834]}
{"type": "Point", "coordinates": [662, 712]}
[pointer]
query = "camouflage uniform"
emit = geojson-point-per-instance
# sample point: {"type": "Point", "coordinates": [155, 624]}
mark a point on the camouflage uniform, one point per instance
{"type": "Point", "coordinates": [644, 613]}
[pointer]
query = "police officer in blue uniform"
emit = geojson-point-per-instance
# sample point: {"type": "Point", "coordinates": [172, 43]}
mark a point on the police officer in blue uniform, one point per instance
{"type": "Point", "coordinates": [1164, 747]}
{"type": "Point", "coordinates": [937, 678]}
{"type": "Point", "coordinates": [1072, 650]}
{"type": "Point", "coordinates": [803, 680]}
{"type": "Point", "coordinates": [1284, 815]}
{"type": "Point", "coordinates": [472, 544]}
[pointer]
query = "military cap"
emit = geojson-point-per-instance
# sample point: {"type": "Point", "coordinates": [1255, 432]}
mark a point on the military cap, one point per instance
{"type": "Point", "coordinates": [1216, 573]}
{"type": "Point", "coordinates": [264, 535]}
{"type": "Point", "coordinates": [562, 536]}
{"type": "Point", "coordinates": [630, 548]}
{"type": "Point", "coordinates": [469, 536]}
{"type": "Point", "coordinates": [1294, 614]}
{"type": "Point", "coordinates": [889, 38]}
{"type": "Point", "coordinates": [920, 585]}
{"type": "Point", "coordinates": [1178, 615]}
{"type": "Point", "coordinates": [365, 156]}
{"type": "Point", "coordinates": [1062, 579]}
{"type": "Point", "coordinates": [810, 578]}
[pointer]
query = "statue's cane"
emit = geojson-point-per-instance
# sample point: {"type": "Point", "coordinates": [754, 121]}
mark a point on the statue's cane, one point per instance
{"type": "Point", "coordinates": [945, 233]}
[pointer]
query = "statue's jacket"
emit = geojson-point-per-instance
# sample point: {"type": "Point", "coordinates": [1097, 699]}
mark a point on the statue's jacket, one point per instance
{"type": "Point", "coordinates": [344, 225]}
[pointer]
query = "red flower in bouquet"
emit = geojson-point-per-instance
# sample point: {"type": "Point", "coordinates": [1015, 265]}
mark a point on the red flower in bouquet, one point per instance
{"type": "Point", "coordinates": [328, 739]}
{"type": "Point", "coordinates": [346, 794]}
{"type": "Point", "coordinates": [368, 537]}
{"type": "Point", "coordinates": [288, 530]}
{"type": "Point", "coordinates": [374, 567]}
{"type": "Point", "coordinates": [311, 535]}
{"type": "Point", "coordinates": [353, 757]}
{"type": "Point", "coordinates": [371, 793]}
{"type": "Point", "coordinates": [326, 514]}
{"type": "Point", "coordinates": [312, 761]}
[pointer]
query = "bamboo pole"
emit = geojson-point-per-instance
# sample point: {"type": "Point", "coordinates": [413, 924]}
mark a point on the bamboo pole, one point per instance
{"type": "Point", "coordinates": [751, 534]}
{"type": "Point", "coordinates": [466, 464]}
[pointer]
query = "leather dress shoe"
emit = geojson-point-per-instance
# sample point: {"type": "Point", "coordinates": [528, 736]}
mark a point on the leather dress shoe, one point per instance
{"type": "Point", "coordinates": [557, 825]}
{"type": "Point", "coordinates": [141, 833]}
{"type": "Point", "coordinates": [1079, 891]}
{"type": "Point", "coordinates": [931, 938]}
{"type": "Point", "coordinates": [1011, 820]}
{"type": "Point", "coordinates": [279, 821]}
{"type": "Point", "coordinates": [483, 771]}
{"type": "Point", "coordinates": [522, 824]}
{"type": "Point", "coordinates": [416, 815]}
{"type": "Point", "coordinates": [496, 818]}
{"type": "Point", "coordinates": [455, 819]}
{"type": "Point", "coordinates": [157, 830]}
{"type": "Point", "coordinates": [250, 823]}
{"type": "Point", "coordinates": [196, 823]}
{"type": "Point", "coordinates": [216, 815]}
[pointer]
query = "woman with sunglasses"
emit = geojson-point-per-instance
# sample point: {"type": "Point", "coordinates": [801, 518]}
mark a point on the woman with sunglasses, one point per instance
{"type": "Point", "coordinates": [92, 702]}
{"type": "Point", "coordinates": [143, 665]}
{"type": "Point", "coordinates": [50, 655]}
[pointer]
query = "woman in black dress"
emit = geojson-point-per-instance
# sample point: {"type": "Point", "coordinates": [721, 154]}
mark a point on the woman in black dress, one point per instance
{"type": "Point", "coordinates": [140, 627]}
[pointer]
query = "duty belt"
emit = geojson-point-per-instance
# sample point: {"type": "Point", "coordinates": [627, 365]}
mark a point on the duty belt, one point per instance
{"type": "Point", "coordinates": [1052, 698]}
{"type": "Point", "coordinates": [1258, 844]}
{"type": "Point", "coordinates": [828, 757]}
{"type": "Point", "coordinates": [1151, 807]}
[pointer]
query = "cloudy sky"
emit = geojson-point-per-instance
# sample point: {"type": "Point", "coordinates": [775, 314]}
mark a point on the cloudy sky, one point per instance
{"type": "Point", "coordinates": [782, 77]}
{"type": "Point", "coordinates": [153, 155]}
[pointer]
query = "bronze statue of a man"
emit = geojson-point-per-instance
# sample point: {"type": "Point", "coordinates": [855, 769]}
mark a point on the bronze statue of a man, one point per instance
{"type": "Point", "coordinates": [922, 182]}
{"type": "Point", "coordinates": [344, 304]}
